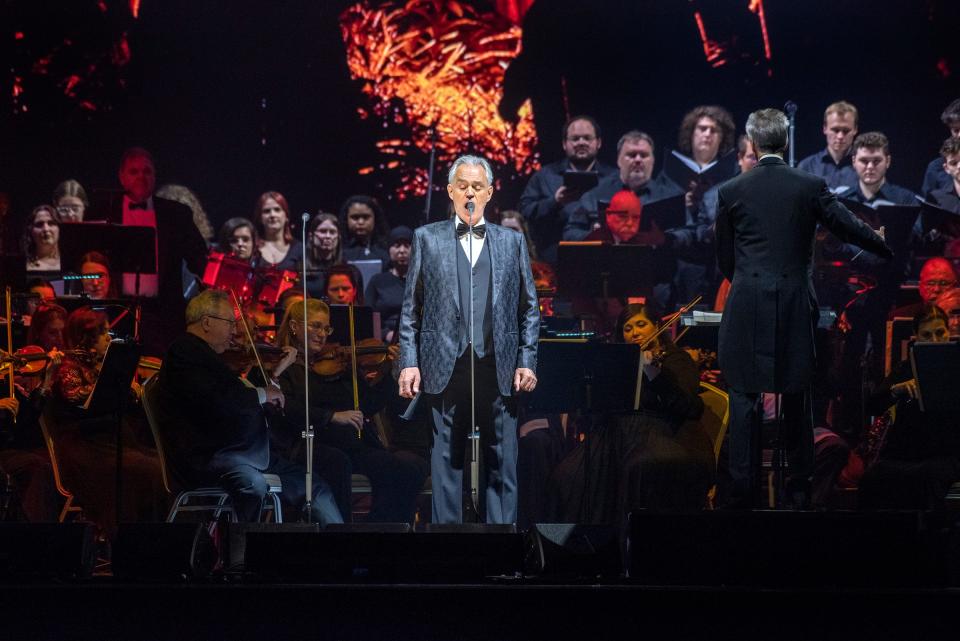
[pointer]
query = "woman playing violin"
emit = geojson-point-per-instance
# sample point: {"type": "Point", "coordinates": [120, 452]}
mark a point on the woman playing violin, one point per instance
{"type": "Point", "coordinates": [396, 478]}
{"type": "Point", "coordinates": [86, 444]}
{"type": "Point", "coordinates": [657, 457]}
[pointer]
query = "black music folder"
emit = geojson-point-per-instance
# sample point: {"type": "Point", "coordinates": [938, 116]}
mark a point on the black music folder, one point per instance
{"type": "Point", "coordinates": [936, 367]}
{"type": "Point", "coordinates": [668, 213]}
{"type": "Point", "coordinates": [684, 171]}
{"type": "Point", "coordinates": [898, 221]}
{"type": "Point", "coordinates": [935, 218]}
{"type": "Point", "coordinates": [580, 181]}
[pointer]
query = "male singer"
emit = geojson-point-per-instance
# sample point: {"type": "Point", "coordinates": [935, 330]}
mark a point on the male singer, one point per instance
{"type": "Point", "coordinates": [765, 232]}
{"type": "Point", "coordinates": [436, 347]}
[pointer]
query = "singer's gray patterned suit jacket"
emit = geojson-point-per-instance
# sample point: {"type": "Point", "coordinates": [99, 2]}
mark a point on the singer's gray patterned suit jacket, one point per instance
{"type": "Point", "coordinates": [430, 317]}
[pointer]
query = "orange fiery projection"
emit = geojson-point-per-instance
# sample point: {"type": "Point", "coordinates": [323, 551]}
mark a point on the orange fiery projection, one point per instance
{"type": "Point", "coordinates": [437, 63]}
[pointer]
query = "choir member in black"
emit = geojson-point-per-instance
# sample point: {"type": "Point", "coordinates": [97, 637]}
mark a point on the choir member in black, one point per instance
{"type": "Point", "coordinates": [70, 199]}
{"type": "Point", "coordinates": [706, 133]}
{"type": "Point", "coordinates": [635, 160]}
{"type": "Point", "coordinates": [694, 243]}
{"type": "Point", "coordinates": [657, 457]}
{"type": "Point", "coordinates": [238, 238]}
{"type": "Point", "coordinates": [365, 228]}
{"type": "Point", "coordinates": [834, 163]}
{"type": "Point", "coordinates": [324, 250]}
{"type": "Point", "coordinates": [396, 477]}
{"type": "Point", "coordinates": [948, 196]}
{"type": "Point", "coordinates": [936, 177]}
{"type": "Point", "coordinates": [545, 198]}
{"type": "Point", "coordinates": [920, 456]}
{"type": "Point", "coordinates": [277, 246]}
{"type": "Point", "coordinates": [385, 290]}
{"type": "Point", "coordinates": [41, 242]}
{"type": "Point", "coordinates": [866, 314]}
{"type": "Point", "coordinates": [214, 424]}
{"type": "Point", "coordinates": [86, 444]}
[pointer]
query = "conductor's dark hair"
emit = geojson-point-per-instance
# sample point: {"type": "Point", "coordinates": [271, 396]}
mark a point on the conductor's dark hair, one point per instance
{"type": "Point", "coordinates": [927, 313]}
{"type": "Point", "coordinates": [728, 130]}
{"type": "Point", "coordinates": [573, 119]}
{"type": "Point", "coordinates": [767, 129]}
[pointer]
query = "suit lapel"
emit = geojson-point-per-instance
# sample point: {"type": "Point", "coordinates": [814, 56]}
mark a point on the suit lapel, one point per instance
{"type": "Point", "coordinates": [448, 247]}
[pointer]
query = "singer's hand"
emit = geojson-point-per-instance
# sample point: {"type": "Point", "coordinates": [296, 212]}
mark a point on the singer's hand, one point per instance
{"type": "Point", "coordinates": [409, 382]}
{"type": "Point", "coordinates": [524, 380]}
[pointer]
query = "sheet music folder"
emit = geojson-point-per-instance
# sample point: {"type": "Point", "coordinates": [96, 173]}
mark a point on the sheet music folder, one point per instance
{"type": "Point", "coordinates": [936, 367]}
{"type": "Point", "coordinates": [113, 382]}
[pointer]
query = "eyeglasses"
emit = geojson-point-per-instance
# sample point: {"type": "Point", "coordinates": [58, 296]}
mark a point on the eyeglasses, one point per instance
{"type": "Point", "coordinates": [232, 321]}
{"type": "Point", "coordinates": [623, 215]}
{"type": "Point", "coordinates": [69, 209]}
{"type": "Point", "coordinates": [939, 283]}
{"type": "Point", "coordinates": [320, 328]}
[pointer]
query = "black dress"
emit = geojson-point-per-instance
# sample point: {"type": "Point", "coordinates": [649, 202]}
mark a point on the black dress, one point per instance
{"type": "Point", "coordinates": [658, 457]}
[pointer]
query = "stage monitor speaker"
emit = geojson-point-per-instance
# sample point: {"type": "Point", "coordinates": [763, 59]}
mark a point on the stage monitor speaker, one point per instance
{"type": "Point", "coordinates": [47, 550]}
{"type": "Point", "coordinates": [383, 556]}
{"type": "Point", "coordinates": [786, 549]}
{"type": "Point", "coordinates": [234, 539]}
{"type": "Point", "coordinates": [163, 552]}
{"type": "Point", "coordinates": [573, 551]}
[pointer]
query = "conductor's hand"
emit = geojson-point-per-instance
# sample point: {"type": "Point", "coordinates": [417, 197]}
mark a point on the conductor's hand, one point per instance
{"type": "Point", "coordinates": [524, 380]}
{"type": "Point", "coordinates": [274, 395]}
{"type": "Point", "coordinates": [348, 418]}
{"type": "Point", "coordinates": [409, 382]}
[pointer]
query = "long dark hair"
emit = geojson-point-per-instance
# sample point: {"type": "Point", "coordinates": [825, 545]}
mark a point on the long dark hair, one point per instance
{"type": "Point", "coordinates": [315, 222]}
{"type": "Point", "coordinates": [84, 326]}
{"type": "Point", "coordinates": [233, 224]}
{"type": "Point", "coordinates": [380, 226]}
{"type": "Point", "coordinates": [927, 313]}
{"type": "Point", "coordinates": [351, 272]}
{"type": "Point", "coordinates": [26, 242]}
{"type": "Point", "coordinates": [648, 309]}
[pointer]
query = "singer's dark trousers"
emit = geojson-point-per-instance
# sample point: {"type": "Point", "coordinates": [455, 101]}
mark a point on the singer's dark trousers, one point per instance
{"type": "Point", "coordinates": [497, 418]}
{"type": "Point", "coordinates": [745, 443]}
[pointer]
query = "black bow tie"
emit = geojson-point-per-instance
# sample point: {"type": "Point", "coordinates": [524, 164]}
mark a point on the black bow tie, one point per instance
{"type": "Point", "coordinates": [142, 206]}
{"type": "Point", "coordinates": [478, 230]}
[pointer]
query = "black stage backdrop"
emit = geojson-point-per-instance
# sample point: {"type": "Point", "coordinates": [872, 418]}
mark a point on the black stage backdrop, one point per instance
{"type": "Point", "coordinates": [241, 97]}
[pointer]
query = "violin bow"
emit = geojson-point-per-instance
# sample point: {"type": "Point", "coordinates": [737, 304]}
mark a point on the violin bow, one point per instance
{"type": "Point", "coordinates": [353, 360]}
{"type": "Point", "coordinates": [246, 331]}
{"type": "Point", "coordinates": [9, 312]}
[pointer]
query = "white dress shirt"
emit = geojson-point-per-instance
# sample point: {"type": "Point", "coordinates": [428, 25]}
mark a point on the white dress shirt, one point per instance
{"type": "Point", "coordinates": [470, 238]}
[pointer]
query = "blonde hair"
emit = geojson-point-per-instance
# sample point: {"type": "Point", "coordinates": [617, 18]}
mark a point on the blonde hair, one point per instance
{"type": "Point", "coordinates": [295, 312]}
{"type": "Point", "coordinates": [842, 107]}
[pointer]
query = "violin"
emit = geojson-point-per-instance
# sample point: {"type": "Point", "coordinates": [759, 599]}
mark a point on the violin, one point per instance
{"type": "Point", "coordinates": [373, 360]}
{"type": "Point", "coordinates": [240, 357]}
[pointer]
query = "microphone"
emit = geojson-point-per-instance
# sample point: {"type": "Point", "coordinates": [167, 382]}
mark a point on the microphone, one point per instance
{"type": "Point", "coordinates": [470, 206]}
{"type": "Point", "coordinates": [791, 108]}
{"type": "Point", "coordinates": [305, 217]}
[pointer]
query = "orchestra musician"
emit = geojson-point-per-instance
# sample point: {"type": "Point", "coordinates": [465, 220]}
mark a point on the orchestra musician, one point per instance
{"type": "Point", "coordinates": [214, 422]}
{"type": "Point", "coordinates": [395, 477]}
{"type": "Point", "coordinates": [86, 444]}
{"type": "Point", "coordinates": [656, 457]}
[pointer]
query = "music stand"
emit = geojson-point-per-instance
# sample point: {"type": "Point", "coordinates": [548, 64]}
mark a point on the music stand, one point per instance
{"type": "Point", "coordinates": [131, 248]}
{"type": "Point", "coordinates": [363, 318]}
{"type": "Point", "coordinates": [936, 367]}
{"type": "Point", "coordinates": [110, 393]}
{"type": "Point", "coordinates": [594, 270]}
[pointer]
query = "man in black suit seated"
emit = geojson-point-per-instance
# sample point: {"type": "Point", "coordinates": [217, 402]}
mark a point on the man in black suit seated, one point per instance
{"type": "Point", "coordinates": [178, 241]}
{"type": "Point", "coordinates": [765, 234]}
{"type": "Point", "coordinates": [545, 197]}
{"type": "Point", "coordinates": [215, 428]}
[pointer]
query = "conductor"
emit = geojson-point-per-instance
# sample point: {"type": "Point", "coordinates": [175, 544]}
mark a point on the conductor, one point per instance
{"type": "Point", "coordinates": [436, 346]}
{"type": "Point", "coordinates": [765, 235]}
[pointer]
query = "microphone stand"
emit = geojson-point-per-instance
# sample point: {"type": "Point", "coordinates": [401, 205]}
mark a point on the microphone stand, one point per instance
{"type": "Point", "coordinates": [791, 109]}
{"type": "Point", "coordinates": [427, 206]}
{"type": "Point", "coordinates": [307, 433]}
{"type": "Point", "coordinates": [474, 431]}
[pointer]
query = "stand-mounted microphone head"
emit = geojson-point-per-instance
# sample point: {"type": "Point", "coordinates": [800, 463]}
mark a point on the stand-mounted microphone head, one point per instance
{"type": "Point", "coordinates": [790, 108]}
{"type": "Point", "coordinates": [305, 217]}
{"type": "Point", "coordinates": [470, 206]}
